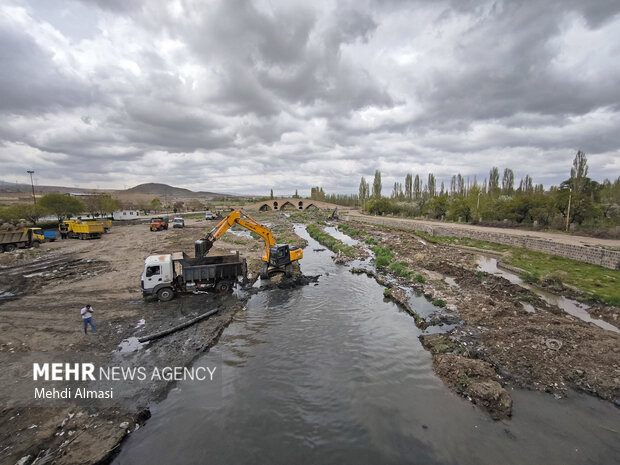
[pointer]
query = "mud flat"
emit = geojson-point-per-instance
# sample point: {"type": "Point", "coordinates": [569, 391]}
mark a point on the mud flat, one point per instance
{"type": "Point", "coordinates": [508, 335]}
{"type": "Point", "coordinates": [45, 289]}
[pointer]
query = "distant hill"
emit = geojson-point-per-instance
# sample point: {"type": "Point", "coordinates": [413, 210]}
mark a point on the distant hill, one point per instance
{"type": "Point", "coordinates": [153, 188]}
{"type": "Point", "coordinates": [14, 187]}
{"type": "Point", "coordinates": [148, 189]}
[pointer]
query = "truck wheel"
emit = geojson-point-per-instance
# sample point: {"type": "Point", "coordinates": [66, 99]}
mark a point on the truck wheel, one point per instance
{"type": "Point", "coordinates": [288, 270]}
{"type": "Point", "coordinates": [264, 274]}
{"type": "Point", "coordinates": [165, 294]}
{"type": "Point", "coordinates": [9, 247]}
{"type": "Point", "coordinates": [222, 287]}
{"type": "Point", "coordinates": [36, 244]}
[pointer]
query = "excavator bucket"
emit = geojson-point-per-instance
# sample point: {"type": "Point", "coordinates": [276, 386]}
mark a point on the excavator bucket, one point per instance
{"type": "Point", "coordinates": [202, 247]}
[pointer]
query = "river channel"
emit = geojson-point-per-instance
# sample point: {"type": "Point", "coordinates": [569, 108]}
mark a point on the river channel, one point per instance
{"type": "Point", "coordinates": [335, 374]}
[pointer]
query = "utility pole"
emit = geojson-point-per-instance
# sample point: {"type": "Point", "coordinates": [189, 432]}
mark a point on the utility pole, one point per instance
{"type": "Point", "coordinates": [31, 172]}
{"type": "Point", "coordinates": [570, 195]}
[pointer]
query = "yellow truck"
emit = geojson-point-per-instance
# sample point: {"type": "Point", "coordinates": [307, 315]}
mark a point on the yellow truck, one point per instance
{"type": "Point", "coordinates": [27, 237]}
{"type": "Point", "coordinates": [78, 230]}
{"type": "Point", "coordinates": [107, 223]}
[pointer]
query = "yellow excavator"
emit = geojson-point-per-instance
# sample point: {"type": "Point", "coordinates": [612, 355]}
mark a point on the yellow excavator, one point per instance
{"type": "Point", "coordinates": [276, 257]}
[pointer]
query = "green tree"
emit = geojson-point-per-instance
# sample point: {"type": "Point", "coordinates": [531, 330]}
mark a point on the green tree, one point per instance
{"type": "Point", "coordinates": [460, 208]}
{"type": "Point", "coordinates": [409, 187]}
{"type": "Point", "coordinates": [61, 205]}
{"type": "Point", "coordinates": [271, 194]}
{"type": "Point", "coordinates": [364, 191]}
{"type": "Point", "coordinates": [156, 204]}
{"type": "Point", "coordinates": [23, 211]}
{"type": "Point", "coordinates": [376, 185]}
{"type": "Point", "coordinates": [397, 191]}
{"type": "Point", "coordinates": [508, 182]}
{"type": "Point", "coordinates": [417, 187]}
{"type": "Point", "coordinates": [33, 213]}
{"type": "Point", "coordinates": [437, 207]}
{"type": "Point", "coordinates": [431, 186]}
{"type": "Point", "coordinates": [579, 173]}
{"type": "Point", "coordinates": [381, 206]}
{"type": "Point", "coordinates": [494, 181]}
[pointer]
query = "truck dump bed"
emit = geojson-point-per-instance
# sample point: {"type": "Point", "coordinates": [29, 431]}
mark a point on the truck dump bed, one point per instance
{"type": "Point", "coordinates": [8, 237]}
{"type": "Point", "coordinates": [88, 228]}
{"type": "Point", "coordinates": [216, 267]}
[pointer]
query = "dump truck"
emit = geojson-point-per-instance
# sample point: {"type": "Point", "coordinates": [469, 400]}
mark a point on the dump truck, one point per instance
{"type": "Point", "coordinates": [78, 230]}
{"type": "Point", "coordinates": [27, 237]}
{"type": "Point", "coordinates": [166, 275]}
{"type": "Point", "coordinates": [158, 223]}
{"type": "Point", "coordinates": [106, 222]}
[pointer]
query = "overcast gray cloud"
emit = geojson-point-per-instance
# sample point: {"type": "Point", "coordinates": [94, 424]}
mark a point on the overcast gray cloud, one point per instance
{"type": "Point", "coordinates": [245, 96]}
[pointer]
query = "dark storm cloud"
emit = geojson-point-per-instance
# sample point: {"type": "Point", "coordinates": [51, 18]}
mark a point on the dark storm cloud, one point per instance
{"type": "Point", "coordinates": [121, 6]}
{"type": "Point", "coordinates": [30, 81]}
{"type": "Point", "coordinates": [267, 59]}
{"type": "Point", "coordinates": [335, 89]}
{"type": "Point", "coordinates": [504, 66]}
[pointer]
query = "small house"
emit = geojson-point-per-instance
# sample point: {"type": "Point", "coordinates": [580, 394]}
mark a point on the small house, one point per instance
{"type": "Point", "coordinates": [126, 215]}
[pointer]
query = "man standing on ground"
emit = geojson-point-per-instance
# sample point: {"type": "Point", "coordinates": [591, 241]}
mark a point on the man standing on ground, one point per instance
{"type": "Point", "coordinates": [87, 318]}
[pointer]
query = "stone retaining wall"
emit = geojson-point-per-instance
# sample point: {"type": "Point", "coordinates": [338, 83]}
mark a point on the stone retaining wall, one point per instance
{"type": "Point", "coordinates": [594, 255]}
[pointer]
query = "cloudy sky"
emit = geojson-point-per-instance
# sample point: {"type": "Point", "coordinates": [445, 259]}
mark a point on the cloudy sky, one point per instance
{"type": "Point", "coordinates": [243, 96]}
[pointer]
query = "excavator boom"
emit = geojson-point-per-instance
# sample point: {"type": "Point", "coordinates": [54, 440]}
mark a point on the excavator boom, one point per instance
{"type": "Point", "coordinates": [275, 255]}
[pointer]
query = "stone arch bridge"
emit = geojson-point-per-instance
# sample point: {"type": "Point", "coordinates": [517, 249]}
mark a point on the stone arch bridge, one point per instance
{"type": "Point", "coordinates": [290, 204]}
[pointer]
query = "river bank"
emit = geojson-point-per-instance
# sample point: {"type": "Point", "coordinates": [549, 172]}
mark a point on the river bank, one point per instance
{"type": "Point", "coordinates": [524, 340]}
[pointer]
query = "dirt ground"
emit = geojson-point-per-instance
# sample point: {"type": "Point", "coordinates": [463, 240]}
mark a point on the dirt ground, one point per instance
{"type": "Point", "coordinates": [546, 350]}
{"type": "Point", "coordinates": [44, 290]}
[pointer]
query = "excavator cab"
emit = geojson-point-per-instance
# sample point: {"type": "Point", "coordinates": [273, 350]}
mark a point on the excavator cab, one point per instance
{"type": "Point", "coordinates": [279, 255]}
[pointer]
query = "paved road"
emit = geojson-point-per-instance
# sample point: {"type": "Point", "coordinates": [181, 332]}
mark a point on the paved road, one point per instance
{"type": "Point", "coordinates": [555, 237]}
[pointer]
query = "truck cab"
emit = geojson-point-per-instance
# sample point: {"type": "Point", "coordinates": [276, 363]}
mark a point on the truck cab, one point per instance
{"type": "Point", "coordinates": [159, 223]}
{"type": "Point", "coordinates": [157, 276]}
{"type": "Point", "coordinates": [37, 235]}
{"type": "Point", "coordinates": [168, 274]}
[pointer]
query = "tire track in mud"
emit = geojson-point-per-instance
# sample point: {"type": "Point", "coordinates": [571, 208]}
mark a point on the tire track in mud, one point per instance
{"type": "Point", "coordinates": [18, 280]}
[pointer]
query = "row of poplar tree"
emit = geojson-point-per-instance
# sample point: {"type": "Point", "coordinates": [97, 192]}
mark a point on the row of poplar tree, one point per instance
{"type": "Point", "coordinates": [578, 199]}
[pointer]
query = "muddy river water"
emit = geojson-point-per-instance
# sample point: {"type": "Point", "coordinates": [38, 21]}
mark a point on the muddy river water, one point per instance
{"type": "Point", "coordinates": [334, 374]}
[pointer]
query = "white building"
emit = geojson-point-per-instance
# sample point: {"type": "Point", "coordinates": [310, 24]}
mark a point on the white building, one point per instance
{"type": "Point", "coordinates": [126, 215]}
